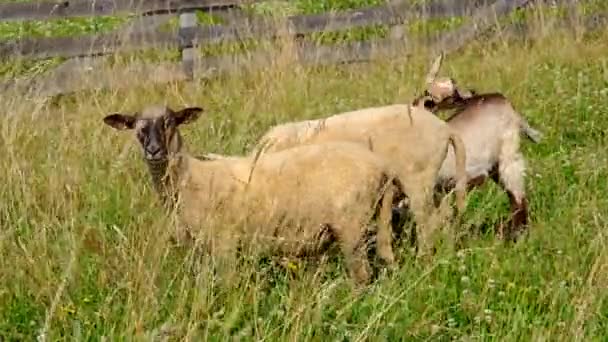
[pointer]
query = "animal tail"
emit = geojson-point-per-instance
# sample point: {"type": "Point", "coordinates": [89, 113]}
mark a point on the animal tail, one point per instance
{"type": "Point", "coordinates": [461, 172]}
{"type": "Point", "coordinates": [534, 135]}
{"type": "Point", "coordinates": [391, 192]}
{"type": "Point", "coordinates": [524, 127]}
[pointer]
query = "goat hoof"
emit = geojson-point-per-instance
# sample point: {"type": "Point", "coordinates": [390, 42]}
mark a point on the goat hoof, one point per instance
{"type": "Point", "coordinates": [517, 233]}
{"type": "Point", "coordinates": [503, 231]}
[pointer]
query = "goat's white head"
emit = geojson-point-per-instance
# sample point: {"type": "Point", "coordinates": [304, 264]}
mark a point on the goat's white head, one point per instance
{"type": "Point", "coordinates": [440, 91]}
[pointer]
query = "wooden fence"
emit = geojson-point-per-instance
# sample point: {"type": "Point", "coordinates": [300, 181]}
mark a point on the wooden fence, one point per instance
{"type": "Point", "coordinates": [85, 54]}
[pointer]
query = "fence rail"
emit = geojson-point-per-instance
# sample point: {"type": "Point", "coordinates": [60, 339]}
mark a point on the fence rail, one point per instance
{"type": "Point", "coordinates": [85, 72]}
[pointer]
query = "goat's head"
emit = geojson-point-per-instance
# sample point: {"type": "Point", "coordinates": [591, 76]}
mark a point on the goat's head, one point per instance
{"type": "Point", "coordinates": [156, 129]}
{"type": "Point", "coordinates": [453, 101]}
{"type": "Point", "coordinates": [442, 92]}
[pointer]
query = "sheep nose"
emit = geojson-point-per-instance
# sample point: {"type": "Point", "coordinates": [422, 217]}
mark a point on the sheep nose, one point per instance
{"type": "Point", "coordinates": [153, 150]}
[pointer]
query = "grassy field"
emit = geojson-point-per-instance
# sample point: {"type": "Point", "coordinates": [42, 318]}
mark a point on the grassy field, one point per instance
{"type": "Point", "coordinates": [84, 249]}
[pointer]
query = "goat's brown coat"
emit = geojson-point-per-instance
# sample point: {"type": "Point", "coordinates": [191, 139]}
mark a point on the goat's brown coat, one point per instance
{"type": "Point", "coordinates": [490, 128]}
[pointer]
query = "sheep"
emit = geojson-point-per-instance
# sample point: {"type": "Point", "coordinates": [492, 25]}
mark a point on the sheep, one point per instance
{"type": "Point", "coordinates": [490, 128]}
{"type": "Point", "coordinates": [413, 140]}
{"type": "Point", "coordinates": [302, 198]}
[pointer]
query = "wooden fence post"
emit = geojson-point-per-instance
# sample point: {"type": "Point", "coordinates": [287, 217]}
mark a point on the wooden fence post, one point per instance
{"type": "Point", "coordinates": [187, 24]}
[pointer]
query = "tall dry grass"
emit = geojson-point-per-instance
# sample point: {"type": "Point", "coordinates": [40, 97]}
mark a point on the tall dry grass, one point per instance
{"type": "Point", "coordinates": [85, 251]}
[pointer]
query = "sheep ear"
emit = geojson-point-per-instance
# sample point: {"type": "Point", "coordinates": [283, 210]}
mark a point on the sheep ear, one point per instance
{"type": "Point", "coordinates": [187, 115]}
{"type": "Point", "coordinates": [120, 121]}
{"type": "Point", "coordinates": [464, 93]}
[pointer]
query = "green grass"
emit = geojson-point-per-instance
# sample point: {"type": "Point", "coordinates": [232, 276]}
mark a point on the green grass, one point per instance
{"type": "Point", "coordinates": [84, 247]}
{"type": "Point", "coordinates": [84, 250]}
{"type": "Point", "coordinates": [59, 27]}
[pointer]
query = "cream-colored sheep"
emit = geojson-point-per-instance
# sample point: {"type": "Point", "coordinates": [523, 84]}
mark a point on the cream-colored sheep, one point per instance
{"type": "Point", "coordinates": [413, 140]}
{"type": "Point", "coordinates": [292, 202]}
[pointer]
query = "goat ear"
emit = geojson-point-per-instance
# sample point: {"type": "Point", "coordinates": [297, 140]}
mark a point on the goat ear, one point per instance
{"type": "Point", "coordinates": [120, 121]}
{"type": "Point", "coordinates": [434, 70]}
{"type": "Point", "coordinates": [187, 115]}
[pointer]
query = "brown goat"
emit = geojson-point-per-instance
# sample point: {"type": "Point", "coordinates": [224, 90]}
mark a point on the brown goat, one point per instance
{"type": "Point", "coordinates": [293, 202]}
{"type": "Point", "coordinates": [490, 128]}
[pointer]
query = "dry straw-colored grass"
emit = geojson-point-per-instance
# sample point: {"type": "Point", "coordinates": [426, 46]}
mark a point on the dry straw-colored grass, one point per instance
{"type": "Point", "coordinates": [85, 251]}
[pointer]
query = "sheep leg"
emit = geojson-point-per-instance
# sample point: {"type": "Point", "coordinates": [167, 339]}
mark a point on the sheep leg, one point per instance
{"type": "Point", "coordinates": [182, 234]}
{"type": "Point", "coordinates": [384, 235]}
{"type": "Point", "coordinates": [354, 248]}
{"type": "Point", "coordinates": [476, 182]}
{"type": "Point", "coordinates": [182, 237]}
{"type": "Point", "coordinates": [425, 227]}
{"type": "Point", "coordinates": [519, 215]}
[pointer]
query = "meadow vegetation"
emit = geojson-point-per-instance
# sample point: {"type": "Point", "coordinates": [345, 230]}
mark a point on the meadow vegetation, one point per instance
{"type": "Point", "coordinates": [85, 250]}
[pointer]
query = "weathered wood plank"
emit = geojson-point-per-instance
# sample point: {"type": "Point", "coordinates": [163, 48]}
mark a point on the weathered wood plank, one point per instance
{"type": "Point", "coordinates": [90, 45]}
{"type": "Point", "coordinates": [233, 16]}
{"type": "Point", "coordinates": [305, 54]}
{"type": "Point", "coordinates": [187, 21]}
{"type": "Point", "coordinates": [92, 73]}
{"type": "Point", "coordinates": [88, 8]}
{"type": "Point", "coordinates": [482, 19]}
{"type": "Point", "coordinates": [140, 24]}
{"type": "Point", "coordinates": [449, 8]}
{"type": "Point", "coordinates": [85, 8]}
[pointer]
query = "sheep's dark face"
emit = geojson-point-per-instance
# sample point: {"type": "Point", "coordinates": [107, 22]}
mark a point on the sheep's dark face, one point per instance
{"type": "Point", "coordinates": [156, 129]}
{"type": "Point", "coordinates": [153, 135]}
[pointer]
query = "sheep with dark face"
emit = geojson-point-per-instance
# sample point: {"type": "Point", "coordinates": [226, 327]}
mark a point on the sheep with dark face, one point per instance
{"type": "Point", "coordinates": [293, 202]}
{"type": "Point", "coordinates": [490, 128]}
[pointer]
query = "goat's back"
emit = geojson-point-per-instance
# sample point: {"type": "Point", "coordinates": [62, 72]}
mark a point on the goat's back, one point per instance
{"type": "Point", "coordinates": [485, 123]}
{"type": "Point", "coordinates": [484, 117]}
